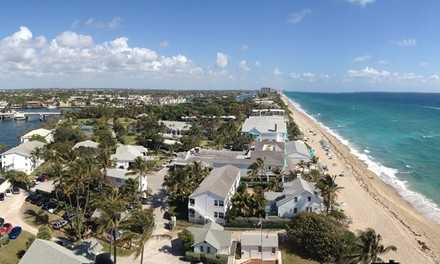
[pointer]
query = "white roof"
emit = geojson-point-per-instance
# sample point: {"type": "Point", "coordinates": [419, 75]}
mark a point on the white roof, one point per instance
{"type": "Point", "coordinates": [176, 125]}
{"type": "Point", "coordinates": [128, 152]}
{"type": "Point", "coordinates": [258, 238]}
{"type": "Point", "coordinates": [25, 149]}
{"type": "Point", "coordinates": [86, 144]}
{"type": "Point", "coordinates": [219, 181]}
{"type": "Point", "coordinates": [41, 132]}
{"type": "Point", "coordinates": [264, 124]}
{"type": "Point", "coordinates": [120, 174]}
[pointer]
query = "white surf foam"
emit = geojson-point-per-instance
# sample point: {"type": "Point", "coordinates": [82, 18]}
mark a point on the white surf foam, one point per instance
{"type": "Point", "coordinates": [422, 204]}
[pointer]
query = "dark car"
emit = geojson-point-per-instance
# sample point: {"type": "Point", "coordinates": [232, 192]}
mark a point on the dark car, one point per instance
{"type": "Point", "coordinates": [15, 190]}
{"type": "Point", "coordinates": [43, 178]}
{"type": "Point", "coordinates": [15, 232]}
{"type": "Point", "coordinates": [69, 215]}
{"type": "Point", "coordinates": [2, 221]}
{"type": "Point", "coordinates": [41, 201]}
{"type": "Point", "coordinates": [2, 196]}
{"type": "Point", "coordinates": [32, 198]}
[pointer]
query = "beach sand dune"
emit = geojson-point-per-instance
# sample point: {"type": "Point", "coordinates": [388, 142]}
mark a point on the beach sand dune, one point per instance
{"type": "Point", "coordinates": [372, 203]}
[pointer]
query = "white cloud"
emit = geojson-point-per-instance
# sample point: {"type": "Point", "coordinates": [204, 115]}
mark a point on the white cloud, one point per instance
{"type": "Point", "coordinates": [258, 64]}
{"type": "Point", "coordinates": [242, 66]}
{"type": "Point", "coordinates": [423, 63]}
{"type": "Point", "coordinates": [244, 47]}
{"type": "Point", "coordinates": [277, 72]}
{"type": "Point", "coordinates": [73, 40]}
{"type": "Point", "coordinates": [295, 75]}
{"type": "Point", "coordinates": [164, 44]}
{"type": "Point", "coordinates": [113, 24]}
{"type": "Point", "coordinates": [309, 75]}
{"type": "Point", "coordinates": [324, 76]}
{"type": "Point", "coordinates": [367, 72]}
{"type": "Point", "coordinates": [363, 3]}
{"type": "Point", "coordinates": [410, 42]}
{"type": "Point", "coordinates": [298, 16]}
{"type": "Point", "coordinates": [383, 62]}
{"type": "Point", "coordinates": [361, 58]}
{"type": "Point", "coordinates": [222, 60]}
{"type": "Point", "coordinates": [75, 24]}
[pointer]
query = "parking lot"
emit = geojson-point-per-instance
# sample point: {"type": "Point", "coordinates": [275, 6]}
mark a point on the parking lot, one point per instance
{"type": "Point", "coordinates": [10, 211]}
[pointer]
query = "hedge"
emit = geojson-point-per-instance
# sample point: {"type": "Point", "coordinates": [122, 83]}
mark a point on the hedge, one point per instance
{"type": "Point", "coordinates": [251, 222]}
{"type": "Point", "coordinates": [4, 240]}
{"type": "Point", "coordinates": [206, 258]}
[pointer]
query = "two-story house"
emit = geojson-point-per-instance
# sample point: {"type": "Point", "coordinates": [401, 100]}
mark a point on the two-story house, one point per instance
{"type": "Point", "coordinates": [266, 128]}
{"type": "Point", "coordinates": [125, 156]}
{"type": "Point", "coordinates": [45, 133]}
{"type": "Point", "coordinates": [297, 196]}
{"type": "Point", "coordinates": [211, 200]}
{"type": "Point", "coordinates": [21, 157]}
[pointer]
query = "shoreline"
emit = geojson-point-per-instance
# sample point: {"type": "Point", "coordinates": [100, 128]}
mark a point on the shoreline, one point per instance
{"type": "Point", "coordinates": [370, 202]}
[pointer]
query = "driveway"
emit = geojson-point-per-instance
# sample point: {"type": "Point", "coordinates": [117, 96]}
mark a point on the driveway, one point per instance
{"type": "Point", "coordinates": [159, 250]}
{"type": "Point", "coordinates": [10, 211]}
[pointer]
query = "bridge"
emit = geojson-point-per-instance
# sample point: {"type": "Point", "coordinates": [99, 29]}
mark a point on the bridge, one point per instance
{"type": "Point", "coordinates": [24, 115]}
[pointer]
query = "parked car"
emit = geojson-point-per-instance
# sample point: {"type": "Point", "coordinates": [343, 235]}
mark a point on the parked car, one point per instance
{"type": "Point", "coordinates": [8, 192]}
{"type": "Point", "coordinates": [2, 196]}
{"type": "Point", "coordinates": [60, 223]}
{"type": "Point", "coordinates": [5, 228]}
{"type": "Point", "coordinates": [15, 190]}
{"type": "Point", "coordinates": [2, 221]}
{"type": "Point", "coordinates": [41, 201]}
{"type": "Point", "coordinates": [32, 198]}
{"type": "Point", "coordinates": [15, 232]}
{"type": "Point", "coordinates": [43, 178]}
{"type": "Point", "coordinates": [51, 207]}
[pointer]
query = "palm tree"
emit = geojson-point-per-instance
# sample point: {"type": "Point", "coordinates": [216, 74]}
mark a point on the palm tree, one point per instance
{"type": "Point", "coordinates": [256, 169]}
{"type": "Point", "coordinates": [368, 248]}
{"type": "Point", "coordinates": [111, 205]}
{"type": "Point", "coordinates": [329, 190]}
{"type": "Point", "coordinates": [142, 168]}
{"type": "Point", "coordinates": [16, 177]}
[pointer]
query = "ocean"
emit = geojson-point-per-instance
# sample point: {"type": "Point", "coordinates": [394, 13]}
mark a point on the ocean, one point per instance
{"type": "Point", "coordinates": [396, 134]}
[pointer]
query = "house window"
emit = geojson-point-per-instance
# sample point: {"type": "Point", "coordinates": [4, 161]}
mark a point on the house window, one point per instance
{"type": "Point", "coordinates": [192, 213]}
{"type": "Point", "coordinates": [259, 249]}
{"type": "Point", "coordinates": [309, 198]}
{"type": "Point", "coordinates": [201, 248]}
{"type": "Point", "coordinates": [218, 203]}
{"type": "Point", "coordinates": [221, 215]}
{"type": "Point", "coordinates": [215, 214]}
{"type": "Point", "coordinates": [273, 250]}
{"type": "Point", "coordinates": [192, 201]}
{"type": "Point", "coordinates": [118, 180]}
{"type": "Point", "coordinates": [295, 199]}
{"type": "Point", "coordinates": [295, 210]}
{"type": "Point", "coordinates": [208, 250]}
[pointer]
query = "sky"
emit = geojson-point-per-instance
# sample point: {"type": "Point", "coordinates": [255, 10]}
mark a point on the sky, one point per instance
{"type": "Point", "coordinates": [296, 45]}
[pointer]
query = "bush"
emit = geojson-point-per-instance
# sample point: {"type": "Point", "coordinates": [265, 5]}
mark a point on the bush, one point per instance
{"type": "Point", "coordinates": [251, 222]}
{"type": "Point", "coordinates": [187, 239]}
{"type": "Point", "coordinates": [205, 258]}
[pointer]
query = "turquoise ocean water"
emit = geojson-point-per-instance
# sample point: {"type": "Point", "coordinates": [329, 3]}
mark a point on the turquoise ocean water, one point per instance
{"type": "Point", "coordinates": [396, 134]}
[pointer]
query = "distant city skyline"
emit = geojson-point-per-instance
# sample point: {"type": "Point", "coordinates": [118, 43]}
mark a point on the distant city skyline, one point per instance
{"type": "Point", "coordinates": [296, 45]}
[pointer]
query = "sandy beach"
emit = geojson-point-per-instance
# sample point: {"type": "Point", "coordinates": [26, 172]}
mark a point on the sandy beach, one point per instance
{"type": "Point", "coordinates": [372, 203]}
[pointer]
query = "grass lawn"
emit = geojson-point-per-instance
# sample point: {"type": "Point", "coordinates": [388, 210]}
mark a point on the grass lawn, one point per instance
{"type": "Point", "coordinates": [129, 140]}
{"type": "Point", "coordinates": [9, 253]}
{"type": "Point", "coordinates": [292, 255]}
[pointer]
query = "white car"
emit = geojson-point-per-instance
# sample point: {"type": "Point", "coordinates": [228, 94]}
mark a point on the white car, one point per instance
{"type": "Point", "coordinates": [60, 223]}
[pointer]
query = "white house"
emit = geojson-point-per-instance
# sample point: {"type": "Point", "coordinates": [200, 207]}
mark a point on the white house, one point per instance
{"type": "Point", "coordinates": [125, 156]}
{"type": "Point", "coordinates": [47, 252]}
{"type": "Point", "coordinates": [211, 239]}
{"type": "Point", "coordinates": [175, 128]}
{"type": "Point", "coordinates": [86, 144]}
{"type": "Point", "coordinates": [20, 157]}
{"type": "Point", "coordinates": [297, 150]}
{"type": "Point", "coordinates": [210, 201]}
{"type": "Point", "coordinates": [260, 246]}
{"type": "Point", "coordinates": [45, 133]}
{"type": "Point", "coordinates": [266, 128]}
{"type": "Point", "coordinates": [297, 196]}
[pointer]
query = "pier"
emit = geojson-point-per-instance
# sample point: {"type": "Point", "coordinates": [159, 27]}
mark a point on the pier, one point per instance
{"type": "Point", "coordinates": [24, 115]}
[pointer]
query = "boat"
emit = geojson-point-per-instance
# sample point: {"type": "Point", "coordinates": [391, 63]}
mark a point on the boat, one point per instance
{"type": "Point", "coordinates": [20, 116]}
{"type": "Point", "coordinates": [51, 107]}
